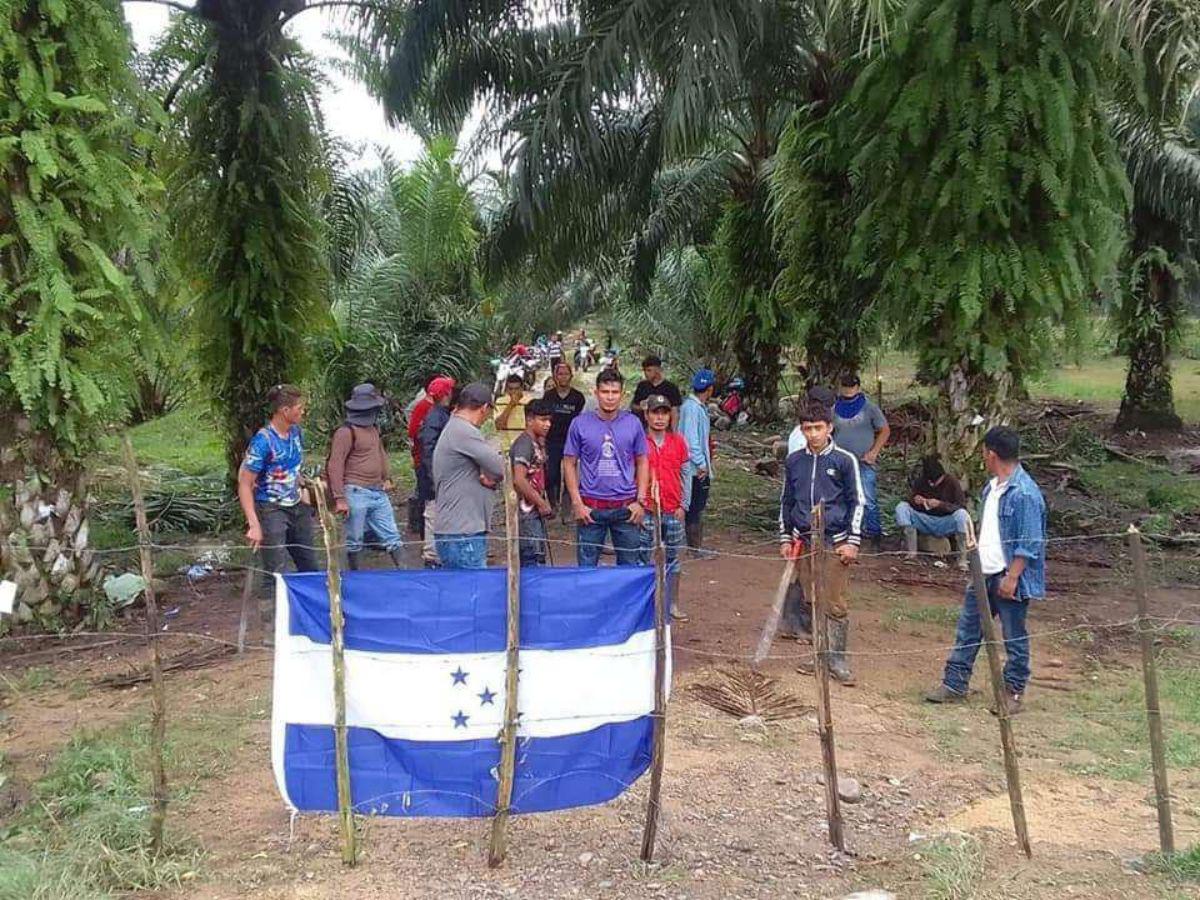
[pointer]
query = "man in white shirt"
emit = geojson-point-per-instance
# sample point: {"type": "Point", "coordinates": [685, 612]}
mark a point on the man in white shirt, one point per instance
{"type": "Point", "coordinates": [1012, 554]}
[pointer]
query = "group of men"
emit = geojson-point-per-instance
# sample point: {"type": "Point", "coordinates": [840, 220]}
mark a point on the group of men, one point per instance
{"type": "Point", "coordinates": [634, 475]}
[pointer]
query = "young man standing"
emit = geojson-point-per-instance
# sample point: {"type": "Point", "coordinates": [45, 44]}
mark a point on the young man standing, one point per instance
{"type": "Point", "coordinates": [427, 439]}
{"type": "Point", "coordinates": [466, 470]}
{"type": "Point", "coordinates": [655, 382]}
{"type": "Point", "coordinates": [818, 393]}
{"type": "Point", "coordinates": [936, 506]}
{"type": "Point", "coordinates": [1012, 552]}
{"type": "Point", "coordinates": [667, 453]}
{"type": "Point", "coordinates": [554, 350]}
{"type": "Point", "coordinates": [528, 456]}
{"type": "Point", "coordinates": [510, 410]}
{"type": "Point", "coordinates": [277, 523]}
{"type": "Point", "coordinates": [604, 464]}
{"type": "Point", "coordinates": [860, 427]}
{"type": "Point", "coordinates": [695, 427]}
{"type": "Point", "coordinates": [359, 479]}
{"type": "Point", "coordinates": [565, 404]}
{"type": "Point", "coordinates": [437, 388]}
{"type": "Point", "coordinates": [822, 473]}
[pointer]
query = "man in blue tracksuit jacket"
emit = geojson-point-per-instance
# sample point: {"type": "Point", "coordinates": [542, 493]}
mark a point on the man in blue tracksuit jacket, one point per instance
{"type": "Point", "coordinates": [821, 473]}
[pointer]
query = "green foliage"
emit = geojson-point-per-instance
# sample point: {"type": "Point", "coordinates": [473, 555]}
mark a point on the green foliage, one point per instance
{"type": "Point", "coordinates": [991, 191]}
{"type": "Point", "coordinates": [1183, 865]}
{"type": "Point", "coordinates": [72, 230]}
{"type": "Point", "coordinates": [246, 180]}
{"type": "Point", "coordinates": [410, 301]}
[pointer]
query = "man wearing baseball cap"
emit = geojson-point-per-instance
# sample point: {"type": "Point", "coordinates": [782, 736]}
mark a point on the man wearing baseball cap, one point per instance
{"type": "Point", "coordinates": [436, 389]}
{"type": "Point", "coordinates": [667, 453]}
{"type": "Point", "coordinates": [697, 471]}
{"type": "Point", "coordinates": [427, 439]}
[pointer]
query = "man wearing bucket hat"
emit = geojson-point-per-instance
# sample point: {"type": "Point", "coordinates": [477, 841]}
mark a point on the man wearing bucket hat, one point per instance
{"type": "Point", "coordinates": [697, 471]}
{"type": "Point", "coordinates": [358, 476]}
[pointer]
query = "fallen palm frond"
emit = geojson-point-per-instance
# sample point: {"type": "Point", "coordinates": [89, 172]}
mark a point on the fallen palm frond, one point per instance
{"type": "Point", "coordinates": [741, 692]}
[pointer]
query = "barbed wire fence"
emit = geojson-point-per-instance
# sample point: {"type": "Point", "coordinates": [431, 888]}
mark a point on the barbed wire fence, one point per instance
{"type": "Point", "coordinates": [1148, 628]}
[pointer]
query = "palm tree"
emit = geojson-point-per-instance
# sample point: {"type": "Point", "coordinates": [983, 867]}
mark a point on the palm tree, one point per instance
{"type": "Point", "coordinates": [1160, 143]}
{"type": "Point", "coordinates": [632, 126]}
{"type": "Point", "coordinates": [73, 239]}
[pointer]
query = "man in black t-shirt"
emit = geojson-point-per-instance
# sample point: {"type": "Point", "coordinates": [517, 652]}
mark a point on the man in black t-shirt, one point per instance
{"type": "Point", "coordinates": [656, 383]}
{"type": "Point", "coordinates": [565, 404]}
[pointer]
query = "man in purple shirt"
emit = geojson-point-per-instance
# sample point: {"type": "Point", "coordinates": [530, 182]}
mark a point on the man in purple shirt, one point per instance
{"type": "Point", "coordinates": [608, 479]}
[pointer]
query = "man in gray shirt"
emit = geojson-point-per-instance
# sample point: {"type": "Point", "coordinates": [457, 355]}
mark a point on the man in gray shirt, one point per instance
{"type": "Point", "coordinates": [466, 471]}
{"type": "Point", "coordinates": [860, 427]}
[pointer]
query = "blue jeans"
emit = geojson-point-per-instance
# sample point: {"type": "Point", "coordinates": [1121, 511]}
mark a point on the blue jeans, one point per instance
{"type": "Point", "coordinates": [872, 523]}
{"type": "Point", "coordinates": [533, 541]}
{"type": "Point", "coordinates": [969, 637]}
{"type": "Point", "coordinates": [938, 526]}
{"type": "Point", "coordinates": [626, 537]}
{"type": "Point", "coordinates": [673, 541]}
{"type": "Point", "coordinates": [370, 508]}
{"type": "Point", "coordinates": [462, 551]}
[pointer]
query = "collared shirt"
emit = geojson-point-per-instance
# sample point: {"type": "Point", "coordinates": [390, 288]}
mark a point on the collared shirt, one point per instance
{"type": "Point", "coordinates": [991, 550]}
{"type": "Point", "coordinates": [1022, 528]}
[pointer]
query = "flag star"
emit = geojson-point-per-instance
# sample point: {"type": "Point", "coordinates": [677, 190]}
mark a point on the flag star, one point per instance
{"type": "Point", "coordinates": [486, 698]}
{"type": "Point", "coordinates": [459, 676]}
{"type": "Point", "coordinates": [460, 720]}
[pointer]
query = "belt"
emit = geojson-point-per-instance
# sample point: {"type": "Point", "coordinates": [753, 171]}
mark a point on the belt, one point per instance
{"type": "Point", "coordinates": [595, 503]}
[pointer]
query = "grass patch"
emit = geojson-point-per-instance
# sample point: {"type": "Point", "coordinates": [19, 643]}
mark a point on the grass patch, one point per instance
{"type": "Point", "coordinates": [1143, 487]}
{"type": "Point", "coordinates": [953, 868]}
{"type": "Point", "coordinates": [743, 500]}
{"type": "Point", "coordinates": [1181, 866]}
{"type": "Point", "coordinates": [85, 833]}
{"type": "Point", "coordinates": [1108, 724]}
{"type": "Point", "coordinates": [186, 439]}
{"type": "Point", "coordinates": [1101, 381]}
{"type": "Point", "coordinates": [942, 616]}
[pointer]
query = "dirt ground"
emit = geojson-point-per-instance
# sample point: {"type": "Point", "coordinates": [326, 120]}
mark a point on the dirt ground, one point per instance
{"type": "Point", "coordinates": [743, 812]}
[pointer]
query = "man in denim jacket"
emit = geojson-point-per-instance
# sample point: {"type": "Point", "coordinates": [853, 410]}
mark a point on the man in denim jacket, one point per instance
{"type": "Point", "coordinates": [1012, 552]}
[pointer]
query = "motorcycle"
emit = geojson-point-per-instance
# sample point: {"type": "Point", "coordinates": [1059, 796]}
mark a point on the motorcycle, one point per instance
{"type": "Point", "coordinates": [729, 405]}
{"type": "Point", "coordinates": [585, 355]}
{"type": "Point", "coordinates": [609, 359]}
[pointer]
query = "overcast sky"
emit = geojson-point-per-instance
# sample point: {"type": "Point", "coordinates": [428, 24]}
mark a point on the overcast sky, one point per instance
{"type": "Point", "coordinates": [350, 112]}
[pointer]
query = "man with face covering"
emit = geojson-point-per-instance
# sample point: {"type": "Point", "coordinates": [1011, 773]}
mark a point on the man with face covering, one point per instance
{"type": "Point", "coordinates": [359, 479]}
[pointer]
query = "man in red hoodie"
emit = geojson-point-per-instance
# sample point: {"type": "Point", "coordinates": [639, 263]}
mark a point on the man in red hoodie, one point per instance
{"type": "Point", "coordinates": [437, 388]}
{"type": "Point", "coordinates": [667, 452]}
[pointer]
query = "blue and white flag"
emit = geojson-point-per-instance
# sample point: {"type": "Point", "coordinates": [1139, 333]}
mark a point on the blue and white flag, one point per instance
{"type": "Point", "coordinates": [425, 688]}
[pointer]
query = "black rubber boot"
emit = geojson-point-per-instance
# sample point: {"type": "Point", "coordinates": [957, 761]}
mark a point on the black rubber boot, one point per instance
{"type": "Point", "coordinates": [352, 560]}
{"type": "Point", "coordinates": [397, 556]}
{"type": "Point", "coordinates": [692, 530]}
{"type": "Point", "coordinates": [839, 634]}
{"type": "Point", "coordinates": [797, 614]}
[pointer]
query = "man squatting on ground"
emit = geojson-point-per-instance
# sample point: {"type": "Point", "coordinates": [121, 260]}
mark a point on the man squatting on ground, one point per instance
{"type": "Point", "coordinates": [277, 523]}
{"type": "Point", "coordinates": [667, 453]}
{"type": "Point", "coordinates": [528, 456]}
{"type": "Point", "coordinates": [604, 465]}
{"type": "Point", "coordinates": [937, 506]}
{"type": "Point", "coordinates": [696, 429]}
{"type": "Point", "coordinates": [358, 477]}
{"type": "Point", "coordinates": [1012, 552]}
{"type": "Point", "coordinates": [821, 473]}
{"type": "Point", "coordinates": [466, 471]}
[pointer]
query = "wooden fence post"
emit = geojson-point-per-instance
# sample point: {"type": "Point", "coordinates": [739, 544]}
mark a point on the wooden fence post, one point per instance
{"type": "Point", "coordinates": [650, 833]}
{"type": "Point", "coordinates": [815, 587]}
{"type": "Point", "coordinates": [337, 635]}
{"type": "Point", "coordinates": [1012, 772]}
{"type": "Point", "coordinates": [498, 847]}
{"type": "Point", "coordinates": [1158, 756]}
{"type": "Point", "coordinates": [158, 714]}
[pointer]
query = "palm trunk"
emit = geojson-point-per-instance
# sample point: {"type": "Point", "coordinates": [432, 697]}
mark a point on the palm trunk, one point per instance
{"type": "Point", "coordinates": [1149, 323]}
{"type": "Point", "coordinates": [969, 403]}
{"type": "Point", "coordinates": [760, 367]}
{"type": "Point", "coordinates": [45, 549]}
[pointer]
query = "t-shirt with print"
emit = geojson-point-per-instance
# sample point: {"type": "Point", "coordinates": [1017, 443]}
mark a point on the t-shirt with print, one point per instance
{"type": "Point", "coordinates": [607, 450]}
{"type": "Point", "coordinates": [563, 411]}
{"type": "Point", "coordinates": [276, 461]}
{"type": "Point", "coordinates": [529, 453]}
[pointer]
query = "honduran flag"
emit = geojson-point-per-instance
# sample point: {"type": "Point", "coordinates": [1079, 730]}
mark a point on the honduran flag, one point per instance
{"type": "Point", "coordinates": [425, 688]}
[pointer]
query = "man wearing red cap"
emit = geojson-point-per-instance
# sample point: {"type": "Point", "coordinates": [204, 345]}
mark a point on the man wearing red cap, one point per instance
{"type": "Point", "coordinates": [441, 390]}
{"type": "Point", "coordinates": [436, 389]}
